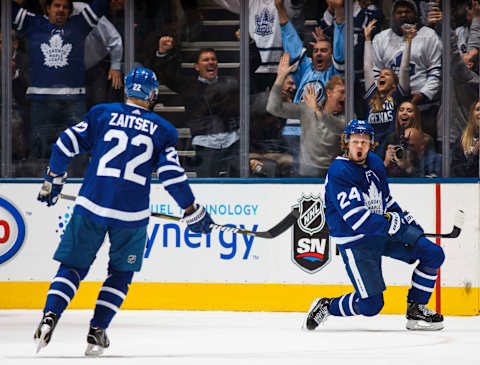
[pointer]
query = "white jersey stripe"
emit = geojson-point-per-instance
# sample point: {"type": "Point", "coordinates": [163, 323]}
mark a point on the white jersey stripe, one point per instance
{"type": "Point", "coordinates": [356, 273]}
{"type": "Point", "coordinates": [353, 211]}
{"type": "Point", "coordinates": [425, 276]}
{"type": "Point", "coordinates": [66, 281]}
{"type": "Point", "coordinates": [72, 137]}
{"type": "Point", "coordinates": [64, 149]}
{"type": "Point", "coordinates": [342, 240]}
{"type": "Point", "coordinates": [390, 203]}
{"type": "Point", "coordinates": [90, 16]}
{"type": "Point", "coordinates": [60, 294]}
{"type": "Point", "coordinates": [114, 291]}
{"type": "Point", "coordinates": [340, 305]}
{"type": "Point", "coordinates": [113, 307]}
{"type": "Point", "coordinates": [112, 213]}
{"type": "Point", "coordinates": [422, 287]}
{"type": "Point", "coordinates": [170, 168]}
{"type": "Point", "coordinates": [361, 220]}
{"type": "Point", "coordinates": [350, 303]}
{"type": "Point", "coordinates": [175, 180]}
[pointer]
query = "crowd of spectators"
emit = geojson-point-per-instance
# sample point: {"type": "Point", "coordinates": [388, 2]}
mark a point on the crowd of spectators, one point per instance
{"type": "Point", "coordinates": [68, 56]}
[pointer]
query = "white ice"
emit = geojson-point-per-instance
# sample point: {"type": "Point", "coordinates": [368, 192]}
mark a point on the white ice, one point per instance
{"type": "Point", "coordinates": [201, 338]}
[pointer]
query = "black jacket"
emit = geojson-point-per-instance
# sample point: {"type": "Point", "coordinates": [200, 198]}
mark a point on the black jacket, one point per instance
{"type": "Point", "coordinates": [211, 108]}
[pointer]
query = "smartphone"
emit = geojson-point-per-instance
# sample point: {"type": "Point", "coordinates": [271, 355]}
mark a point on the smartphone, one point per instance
{"type": "Point", "coordinates": [431, 5]}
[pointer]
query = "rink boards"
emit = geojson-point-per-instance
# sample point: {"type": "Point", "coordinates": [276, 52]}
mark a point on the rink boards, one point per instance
{"type": "Point", "coordinates": [226, 271]}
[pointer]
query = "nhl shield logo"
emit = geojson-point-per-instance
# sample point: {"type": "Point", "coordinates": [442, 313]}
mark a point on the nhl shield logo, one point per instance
{"type": "Point", "coordinates": [312, 216]}
{"type": "Point", "coordinates": [311, 244]}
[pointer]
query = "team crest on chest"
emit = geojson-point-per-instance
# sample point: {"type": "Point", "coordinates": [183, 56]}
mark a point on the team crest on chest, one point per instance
{"type": "Point", "coordinates": [264, 23]}
{"type": "Point", "coordinates": [55, 52]}
{"type": "Point", "coordinates": [373, 200]}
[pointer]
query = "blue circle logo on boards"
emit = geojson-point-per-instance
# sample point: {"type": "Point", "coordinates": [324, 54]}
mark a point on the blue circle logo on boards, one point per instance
{"type": "Point", "coordinates": [12, 230]}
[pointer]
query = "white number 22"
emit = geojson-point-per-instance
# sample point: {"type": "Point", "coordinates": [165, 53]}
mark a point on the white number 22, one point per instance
{"type": "Point", "coordinates": [121, 146]}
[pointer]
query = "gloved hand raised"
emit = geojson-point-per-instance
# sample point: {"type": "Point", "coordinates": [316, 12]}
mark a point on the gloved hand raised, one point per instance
{"type": "Point", "coordinates": [198, 220]}
{"type": "Point", "coordinates": [51, 187]}
{"type": "Point", "coordinates": [400, 230]}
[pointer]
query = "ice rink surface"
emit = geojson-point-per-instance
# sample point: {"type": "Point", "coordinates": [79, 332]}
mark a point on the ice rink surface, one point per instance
{"type": "Point", "coordinates": [201, 338]}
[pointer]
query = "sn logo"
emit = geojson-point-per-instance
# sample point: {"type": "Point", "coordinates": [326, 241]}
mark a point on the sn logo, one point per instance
{"type": "Point", "coordinates": [310, 243]}
{"type": "Point", "coordinates": [312, 249]}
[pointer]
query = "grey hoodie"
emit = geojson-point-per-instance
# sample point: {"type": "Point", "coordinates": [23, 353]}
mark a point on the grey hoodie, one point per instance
{"type": "Point", "coordinates": [320, 138]}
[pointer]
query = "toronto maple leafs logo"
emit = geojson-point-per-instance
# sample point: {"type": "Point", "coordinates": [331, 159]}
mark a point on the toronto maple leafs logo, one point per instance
{"type": "Point", "coordinates": [395, 65]}
{"type": "Point", "coordinates": [373, 200]}
{"type": "Point", "coordinates": [55, 52]}
{"type": "Point", "coordinates": [264, 23]}
{"type": "Point", "coordinates": [318, 88]}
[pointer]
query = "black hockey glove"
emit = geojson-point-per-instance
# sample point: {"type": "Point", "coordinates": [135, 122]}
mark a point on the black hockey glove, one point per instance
{"type": "Point", "coordinates": [199, 220]}
{"type": "Point", "coordinates": [399, 229]}
{"type": "Point", "coordinates": [51, 187]}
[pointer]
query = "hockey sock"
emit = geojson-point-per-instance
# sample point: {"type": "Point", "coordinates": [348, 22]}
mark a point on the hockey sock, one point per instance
{"type": "Point", "coordinates": [346, 305]}
{"type": "Point", "coordinates": [371, 306]}
{"type": "Point", "coordinates": [423, 282]}
{"type": "Point", "coordinates": [111, 296]}
{"type": "Point", "coordinates": [63, 288]}
{"type": "Point", "coordinates": [424, 276]}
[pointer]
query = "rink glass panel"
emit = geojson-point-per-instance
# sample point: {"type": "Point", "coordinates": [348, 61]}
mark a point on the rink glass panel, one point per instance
{"type": "Point", "coordinates": [191, 24]}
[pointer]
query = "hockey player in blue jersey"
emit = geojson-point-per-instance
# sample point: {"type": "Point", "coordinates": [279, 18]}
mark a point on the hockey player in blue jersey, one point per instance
{"type": "Point", "coordinates": [365, 224]}
{"type": "Point", "coordinates": [127, 143]}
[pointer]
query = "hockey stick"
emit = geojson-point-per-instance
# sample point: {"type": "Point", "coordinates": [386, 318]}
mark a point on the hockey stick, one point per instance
{"type": "Point", "coordinates": [273, 232]}
{"type": "Point", "coordinates": [457, 227]}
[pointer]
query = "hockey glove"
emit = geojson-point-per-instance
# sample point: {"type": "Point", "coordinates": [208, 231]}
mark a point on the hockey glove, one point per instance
{"type": "Point", "coordinates": [51, 187]}
{"type": "Point", "coordinates": [400, 230]}
{"type": "Point", "coordinates": [199, 220]}
{"type": "Point", "coordinates": [408, 217]}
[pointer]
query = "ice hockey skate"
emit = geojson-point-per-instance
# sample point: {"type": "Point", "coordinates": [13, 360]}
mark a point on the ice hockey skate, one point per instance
{"type": "Point", "coordinates": [317, 313]}
{"type": "Point", "coordinates": [97, 341]}
{"type": "Point", "coordinates": [421, 318]}
{"type": "Point", "coordinates": [44, 332]}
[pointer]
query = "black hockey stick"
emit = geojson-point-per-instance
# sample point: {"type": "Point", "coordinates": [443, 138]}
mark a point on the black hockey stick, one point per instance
{"type": "Point", "coordinates": [457, 227]}
{"type": "Point", "coordinates": [273, 232]}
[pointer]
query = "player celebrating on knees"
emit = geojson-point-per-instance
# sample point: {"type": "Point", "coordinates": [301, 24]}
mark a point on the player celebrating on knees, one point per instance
{"type": "Point", "coordinates": [366, 223]}
{"type": "Point", "coordinates": [127, 142]}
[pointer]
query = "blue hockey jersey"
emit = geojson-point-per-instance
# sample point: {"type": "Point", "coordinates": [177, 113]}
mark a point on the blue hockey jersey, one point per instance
{"type": "Point", "coordinates": [127, 143]}
{"type": "Point", "coordinates": [383, 121]}
{"type": "Point", "coordinates": [56, 53]}
{"type": "Point", "coordinates": [305, 73]}
{"type": "Point", "coordinates": [356, 197]}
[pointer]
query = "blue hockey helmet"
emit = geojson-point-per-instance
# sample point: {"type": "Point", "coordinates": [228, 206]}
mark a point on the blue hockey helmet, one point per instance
{"type": "Point", "coordinates": [359, 127]}
{"type": "Point", "coordinates": [140, 83]}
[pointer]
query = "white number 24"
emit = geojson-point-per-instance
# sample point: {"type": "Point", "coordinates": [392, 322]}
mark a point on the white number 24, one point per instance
{"type": "Point", "coordinates": [342, 196]}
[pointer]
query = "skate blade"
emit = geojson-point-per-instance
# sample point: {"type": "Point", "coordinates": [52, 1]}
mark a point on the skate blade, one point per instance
{"type": "Point", "coordinates": [304, 324]}
{"type": "Point", "coordinates": [94, 350]}
{"type": "Point", "coordinates": [40, 341]}
{"type": "Point", "coordinates": [416, 325]}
